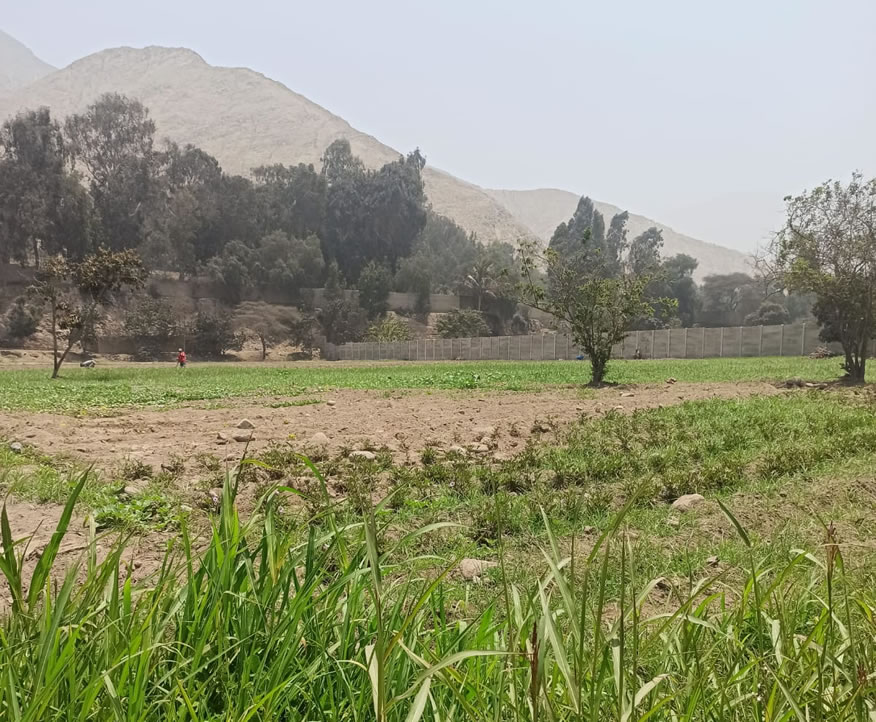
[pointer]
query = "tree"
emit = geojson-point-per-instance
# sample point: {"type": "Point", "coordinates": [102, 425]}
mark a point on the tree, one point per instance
{"type": "Point", "coordinates": [462, 324]}
{"type": "Point", "coordinates": [152, 322]}
{"type": "Point", "coordinates": [232, 270]}
{"type": "Point", "coordinates": [828, 248]}
{"type": "Point", "coordinates": [770, 313]}
{"type": "Point", "coordinates": [113, 141]}
{"type": "Point", "coordinates": [43, 208]}
{"type": "Point", "coordinates": [375, 283]}
{"type": "Point", "coordinates": [291, 199]}
{"type": "Point", "coordinates": [441, 256]}
{"type": "Point", "coordinates": [268, 324]}
{"type": "Point", "coordinates": [287, 263]}
{"type": "Point", "coordinates": [213, 334]}
{"type": "Point", "coordinates": [371, 215]}
{"type": "Point", "coordinates": [76, 292]}
{"type": "Point", "coordinates": [481, 279]}
{"type": "Point", "coordinates": [22, 319]}
{"type": "Point", "coordinates": [341, 319]}
{"type": "Point", "coordinates": [596, 308]}
{"type": "Point", "coordinates": [728, 298]}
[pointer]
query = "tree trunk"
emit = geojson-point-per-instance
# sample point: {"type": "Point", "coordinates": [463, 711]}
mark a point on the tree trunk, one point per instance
{"type": "Point", "coordinates": [598, 366]}
{"type": "Point", "coordinates": [264, 348]}
{"type": "Point", "coordinates": [56, 365]}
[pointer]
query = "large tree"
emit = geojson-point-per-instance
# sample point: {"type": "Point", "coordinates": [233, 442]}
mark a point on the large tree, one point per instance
{"type": "Point", "coordinates": [371, 215]}
{"type": "Point", "coordinates": [43, 208]}
{"type": "Point", "coordinates": [583, 240]}
{"type": "Point", "coordinates": [828, 248]}
{"type": "Point", "coordinates": [596, 307]}
{"type": "Point", "coordinates": [75, 294]}
{"type": "Point", "coordinates": [113, 141]}
{"type": "Point", "coordinates": [728, 298]}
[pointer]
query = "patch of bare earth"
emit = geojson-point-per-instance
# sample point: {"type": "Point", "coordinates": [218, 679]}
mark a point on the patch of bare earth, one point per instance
{"type": "Point", "coordinates": [402, 422]}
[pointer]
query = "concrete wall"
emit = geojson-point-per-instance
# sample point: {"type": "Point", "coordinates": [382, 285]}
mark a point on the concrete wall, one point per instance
{"type": "Point", "coordinates": [681, 343]}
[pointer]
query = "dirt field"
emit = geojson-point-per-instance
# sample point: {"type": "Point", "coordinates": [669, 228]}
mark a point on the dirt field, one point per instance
{"type": "Point", "coordinates": [403, 422]}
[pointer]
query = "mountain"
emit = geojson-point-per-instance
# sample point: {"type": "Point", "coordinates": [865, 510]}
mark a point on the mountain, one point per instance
{"type": "Point", "coordinates": [18, 65]}
{"type": "Point", "coordinates": [544, 209]}
{"type": "Point", "coordinates": [246, 119]}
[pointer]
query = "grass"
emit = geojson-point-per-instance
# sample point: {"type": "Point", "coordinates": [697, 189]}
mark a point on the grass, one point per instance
{"type": "Point", "coordinates": [103, 391]}
{"type": "Point", "coordinates": [346, 620]}
{"type": "Point", "coordinates": [335, 596]}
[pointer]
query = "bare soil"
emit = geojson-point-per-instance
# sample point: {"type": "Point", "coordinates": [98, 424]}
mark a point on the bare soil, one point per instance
{"type": "Point", "coordinates": [403, 422]}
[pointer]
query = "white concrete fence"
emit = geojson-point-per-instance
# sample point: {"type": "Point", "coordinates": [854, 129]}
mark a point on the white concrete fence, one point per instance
{"type": "Point", "coordinates": [681, 343]}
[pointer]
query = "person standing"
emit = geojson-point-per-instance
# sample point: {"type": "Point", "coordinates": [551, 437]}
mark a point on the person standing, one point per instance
{"type": "Point", "coordinates": [181, 359]}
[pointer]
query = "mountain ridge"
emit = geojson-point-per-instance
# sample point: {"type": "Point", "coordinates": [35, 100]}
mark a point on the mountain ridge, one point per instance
{"type": "Point", "coordinates": [246, 119]}
{"type": "Point", "coordinates": [18, 64]}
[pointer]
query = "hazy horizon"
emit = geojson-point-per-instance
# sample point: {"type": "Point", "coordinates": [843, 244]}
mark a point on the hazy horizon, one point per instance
{"type": "Point", "coordinates": [701, 118]}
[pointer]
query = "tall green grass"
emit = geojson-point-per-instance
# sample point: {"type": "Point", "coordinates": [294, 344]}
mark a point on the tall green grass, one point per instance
{"type": "Point", "coordinates": [256, 624]}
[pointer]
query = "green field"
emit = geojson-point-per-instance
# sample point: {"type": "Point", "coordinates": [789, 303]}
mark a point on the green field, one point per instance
{"type": "Point", "coordinates": [82, 390]}
{"type": "Point", "coordinates": [332, 591]}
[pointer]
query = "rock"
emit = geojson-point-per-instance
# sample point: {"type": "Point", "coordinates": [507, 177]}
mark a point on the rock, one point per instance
{"type": "Point", "coordinates": [245, 424]}
{"type": "Point", "coordinates": [331, 402]}
{"type": "Point", "coordinates": [712, 561]}
{"type": "Point", "coordinates": [130, 491]}
{"type": "Point", "coordinates": [671, 380]}
{"type": "Point", "coordinates": [221, 436]}
{"type": "Point", "coordinates": [688, 501]}
{"type": "Point", "coordinates": [15, 447]}
{"type": "Point", "coordinates": [479, 448]}
{"type": "Point", "coordinates": [214, 497]}
{"type": "Point", "coordinates": [456, 450]}
{"type": "Point", "coordinates": [185, 509]}
{"type": "Point", "coordinates": [627, 395]}
{"type": "Point", "coordinates": [485, 432]}
{"type": "Point", "coordinates": [230, 457]}
{"type": "Point", "coordinates": [363, 455]}
{"type": "Point", "coordinates": [242, 436]}
{"type": "Point", "coordinates": [794, 383]}
{"type": "Point", "coordinates": [618, 408]}
{"type": "Point", "coordinates": [471, 569]}
{"type": "Point", "coordinates": [543, 428]}
{"type": "Point", "coordinates": [319, 439]}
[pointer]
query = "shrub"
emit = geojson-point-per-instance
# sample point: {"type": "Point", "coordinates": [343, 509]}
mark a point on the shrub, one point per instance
{"type": "Point", "coordinates": [388, 330]}
{"type": "Point", "coordinates": [462, 324]}
{"type": "Point", "coordinates": [213, 335]}
{"type": "Point", "coordinates": [22, 319]}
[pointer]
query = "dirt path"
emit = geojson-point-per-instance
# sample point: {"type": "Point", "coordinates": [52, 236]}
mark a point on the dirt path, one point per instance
{"type": "Point", "coordinates": [404, 422]}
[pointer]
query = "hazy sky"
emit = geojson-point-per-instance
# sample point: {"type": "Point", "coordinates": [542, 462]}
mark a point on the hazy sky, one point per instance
{"type": "Point", "coordinates": [700, 114]}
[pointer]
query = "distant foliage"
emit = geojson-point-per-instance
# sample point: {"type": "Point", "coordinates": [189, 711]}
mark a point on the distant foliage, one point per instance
{"type": "Point", "coordinates": [22, 319]}
{"type": "Point", "coordinates": [213, 335]}
{"type": "Point", "coordinates": [152, 322]}
{"type": "Point", "coordinates": [388, 330]}
{"type": "Point", "coordinates": [267, 324]}
{"type": "Point", "coordinates": [770, 313]}
{"type": "Point", "coordinates": [375, 283]}
{"type": "Point", "coordinates": [462, 324]}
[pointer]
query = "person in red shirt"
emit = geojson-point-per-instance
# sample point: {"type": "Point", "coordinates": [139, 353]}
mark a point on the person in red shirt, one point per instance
{"type": "Point", "coordinates": [181, 359]}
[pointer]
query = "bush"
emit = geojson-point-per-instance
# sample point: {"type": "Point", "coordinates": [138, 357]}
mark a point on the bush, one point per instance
{"type": "Point", "coordinates": [22, 319]}
{"type": "Point", "coordinates": [153, 323]}
{"type": "Point", "coordinates": [462, 324]}
{"type": "Point", "coordinates": [213, 335]}
{"type": "Point", "coordinates": [770, 313]}
{"type": "Point", "coordinates": [342, 321]}
{"type": "Point", "coordinates": [389, 329]}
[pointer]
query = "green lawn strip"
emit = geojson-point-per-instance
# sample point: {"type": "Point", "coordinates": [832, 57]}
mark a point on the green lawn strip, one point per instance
{"type": "Point", "coordinates": [84, 391]}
